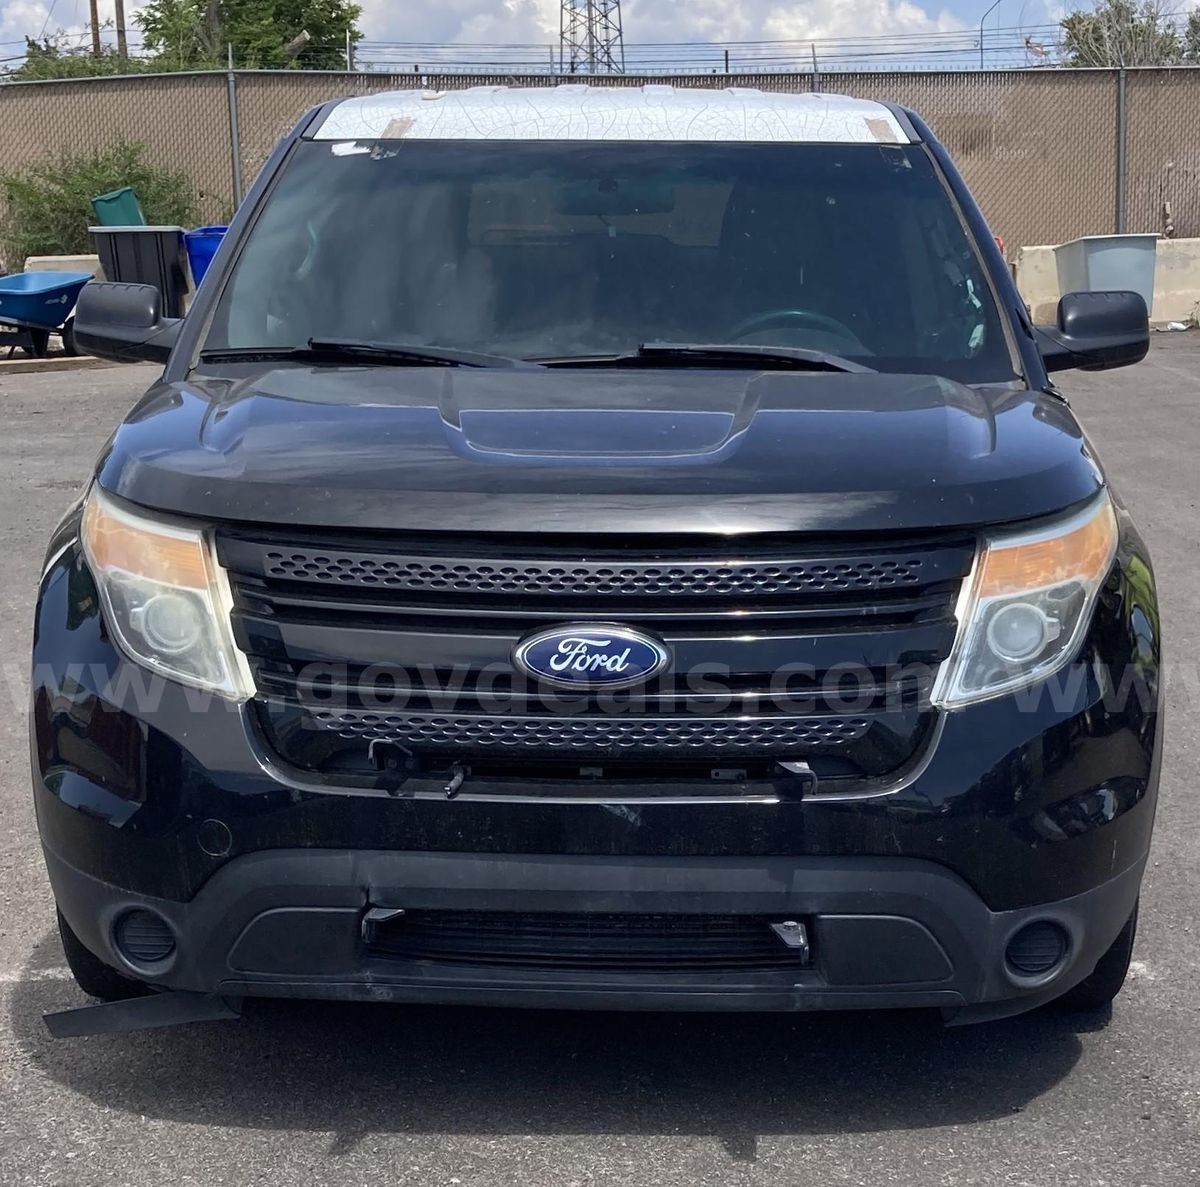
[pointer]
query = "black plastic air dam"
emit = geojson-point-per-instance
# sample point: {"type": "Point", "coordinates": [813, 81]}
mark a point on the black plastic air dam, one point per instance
{"type": "Point", "coordinates": [288, 924]}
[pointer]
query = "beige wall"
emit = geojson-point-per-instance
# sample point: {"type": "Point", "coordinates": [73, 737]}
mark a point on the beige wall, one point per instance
{"type": "Point", "coordinates": [1176, 282]}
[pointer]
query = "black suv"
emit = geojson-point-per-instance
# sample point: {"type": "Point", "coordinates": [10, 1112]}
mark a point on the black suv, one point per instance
{"type": "Point", "coordinates": [605, 548]}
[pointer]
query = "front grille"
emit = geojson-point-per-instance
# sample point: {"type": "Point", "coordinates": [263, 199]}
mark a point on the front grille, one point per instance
{"type": "Point", "coordinates": [595, 735]}
{"type": "Point", "coordinates": [464, 575]}
{"type": "Point", "coordinates": [610, 942]}
{"type": "Point", "coordinates": [408, 639]}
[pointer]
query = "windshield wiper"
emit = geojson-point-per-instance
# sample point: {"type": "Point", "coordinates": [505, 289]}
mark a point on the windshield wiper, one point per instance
{"type": "Point", "coordinates": [341, 350]}
{"type": "Point", "coordinates": [733, 354]}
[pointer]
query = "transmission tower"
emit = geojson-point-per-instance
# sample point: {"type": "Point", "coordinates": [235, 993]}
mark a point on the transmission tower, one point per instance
{"type": "Point", "coordinates": [590, 40]}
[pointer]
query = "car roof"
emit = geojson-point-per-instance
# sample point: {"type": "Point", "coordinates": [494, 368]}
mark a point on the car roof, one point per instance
{"type": "Point", "coordinates": [576, 111]}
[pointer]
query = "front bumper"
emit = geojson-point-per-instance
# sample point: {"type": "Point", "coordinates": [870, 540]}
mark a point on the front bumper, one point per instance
{"type": "Point", "coordinates": [1023, 809]}
{"type": "Point", "coordinates": [886, 932]}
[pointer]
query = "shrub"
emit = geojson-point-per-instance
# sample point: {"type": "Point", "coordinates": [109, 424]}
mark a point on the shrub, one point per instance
{"type": "Point", "coordinates": [48, 204]}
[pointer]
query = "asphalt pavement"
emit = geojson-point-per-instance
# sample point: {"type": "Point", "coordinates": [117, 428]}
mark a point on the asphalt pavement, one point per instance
{"type": "Point", "coordinates": [323, 1094]}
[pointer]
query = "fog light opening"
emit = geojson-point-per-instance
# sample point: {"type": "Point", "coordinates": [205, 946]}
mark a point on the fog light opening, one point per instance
{"type": "Point", "coordinates": [1037, 950]}
{"type": "Point", "coordinates": [143, 938]}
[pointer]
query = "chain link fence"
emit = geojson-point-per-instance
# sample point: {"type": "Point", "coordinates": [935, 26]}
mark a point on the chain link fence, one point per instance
{"type": "Point", "coordinates": [1049, 154]}
{"type": "Point", "coordinates": [1162, 173]}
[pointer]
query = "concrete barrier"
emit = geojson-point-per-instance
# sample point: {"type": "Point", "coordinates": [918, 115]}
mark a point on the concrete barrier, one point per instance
{"type": "Point", "coordinates": [1176, 282]}
{"type": "Point", "coordinates": [84, 263]}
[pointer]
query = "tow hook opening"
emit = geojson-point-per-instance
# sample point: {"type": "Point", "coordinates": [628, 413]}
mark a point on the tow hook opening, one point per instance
{"type": "Point", "coordinates": [395, 764]}
{"type": "Point", "coordinates": [795, 936]}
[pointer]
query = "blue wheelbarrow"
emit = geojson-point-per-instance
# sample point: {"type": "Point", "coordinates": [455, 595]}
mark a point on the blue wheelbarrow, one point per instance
{"type": "Point", "coordinates": [34, 305]}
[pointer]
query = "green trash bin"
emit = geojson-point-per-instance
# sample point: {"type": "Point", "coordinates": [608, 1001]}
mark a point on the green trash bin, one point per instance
{"type": "Point", "coordinates": [119, 208]}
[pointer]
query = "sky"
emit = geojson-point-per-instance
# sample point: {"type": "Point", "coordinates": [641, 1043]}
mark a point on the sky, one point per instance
{"type": "Point", "coordinates": [505, 21]}
{"type": "Point", "coordinates": [655, 20]}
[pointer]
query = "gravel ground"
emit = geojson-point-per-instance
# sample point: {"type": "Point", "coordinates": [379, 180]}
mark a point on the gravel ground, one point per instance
{"type": "Point", "coordinates": [320, 1094]}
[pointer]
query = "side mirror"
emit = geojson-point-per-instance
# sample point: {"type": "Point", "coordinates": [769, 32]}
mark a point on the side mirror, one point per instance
{"type": "Point", "coordinates": [1096, 331]}
{"type": "Point", "coordinates": [124, 322]}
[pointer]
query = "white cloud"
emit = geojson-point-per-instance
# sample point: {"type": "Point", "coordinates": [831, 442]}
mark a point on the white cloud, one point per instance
{"type": "Point", "coordinates": [20, 17]}
{"type": "Point", "coordinates": [842, 18]}
{"type": "Point", "coordinates": [501, 21]}
{"type": "Point", "coordinates": [439, 21]}
{"type": "Point", "coordinates": [28, 18]}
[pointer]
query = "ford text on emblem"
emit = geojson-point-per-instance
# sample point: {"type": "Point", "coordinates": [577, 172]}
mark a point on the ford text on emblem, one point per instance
{"type": "Point", "coordinates": [591, 655]}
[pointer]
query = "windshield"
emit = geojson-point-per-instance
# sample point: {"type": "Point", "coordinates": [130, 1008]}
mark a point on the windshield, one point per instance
{"type": "Point", "coordinates": [547, 250]}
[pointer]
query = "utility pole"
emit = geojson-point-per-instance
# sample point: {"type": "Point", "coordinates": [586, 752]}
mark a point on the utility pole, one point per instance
{"type": "Point", "coordinates": [122, 40]}
{"type": "Point", "coordinates": [95, 28]}
{"type": "Point", "coordinates": [235, 136]}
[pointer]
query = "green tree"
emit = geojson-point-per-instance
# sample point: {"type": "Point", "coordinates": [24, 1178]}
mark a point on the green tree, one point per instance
{"type": "Point", "coordinates": [55, 57]}
{"type": "Point", "coordinates": [194, 33]}
{"type": "Point", "coordinates": [1191, 37]}
{"type": "Point", "coordinates": [1125, 33]}
{"type": "Point", "coordinates": [174, 33]}
{"type": "Point", "coordinates": [47, 205]}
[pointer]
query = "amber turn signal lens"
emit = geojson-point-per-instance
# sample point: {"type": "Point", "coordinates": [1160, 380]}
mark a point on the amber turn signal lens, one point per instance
{"type": "Point", "coordinates": [1030, 564]}
{"type": "Point", "coordinates": [114, 540]}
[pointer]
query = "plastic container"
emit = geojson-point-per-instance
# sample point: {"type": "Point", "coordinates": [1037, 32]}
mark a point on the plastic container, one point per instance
{"type": "Point", "coordinates": [146, 255]}
{"type": "Point", "coordinates": [119, 208]}
{"type": "Point", "coordinates": [44, 299]}
{"type": "Point", "coordinates": [202, 244]}
{"type": "Point", "coordinates": [1099, 263]}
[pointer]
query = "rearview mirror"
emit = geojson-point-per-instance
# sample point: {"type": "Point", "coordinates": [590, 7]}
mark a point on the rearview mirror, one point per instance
{"type": "Point", "coordinates": [1096, 331]}
{"type": "Point", "coordinates": [124, 322]}
{"type": "Point", "coordinates": [609, 197]}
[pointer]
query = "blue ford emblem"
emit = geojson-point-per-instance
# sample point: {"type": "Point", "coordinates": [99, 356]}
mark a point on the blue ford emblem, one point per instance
{"type": "Point", "coordinates": [591, 655]}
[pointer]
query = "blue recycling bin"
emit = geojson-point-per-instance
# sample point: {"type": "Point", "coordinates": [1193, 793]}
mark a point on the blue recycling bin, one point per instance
{"type": "Point", "coordinates": [202, 244]}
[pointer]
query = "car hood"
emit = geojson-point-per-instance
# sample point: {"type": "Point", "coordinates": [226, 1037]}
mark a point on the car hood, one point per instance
{"type": "Point", "coordinates": [597, 450]}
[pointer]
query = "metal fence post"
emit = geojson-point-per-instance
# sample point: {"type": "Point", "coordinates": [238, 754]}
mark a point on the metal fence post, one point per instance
{"type": "Point", "coordinates": [1121, 122]}
{"type": "Point", "coordinates": [235, 139]}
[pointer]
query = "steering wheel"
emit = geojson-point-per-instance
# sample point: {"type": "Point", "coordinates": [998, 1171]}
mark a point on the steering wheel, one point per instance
{"type": "Point", "coordinates": [779, 317]}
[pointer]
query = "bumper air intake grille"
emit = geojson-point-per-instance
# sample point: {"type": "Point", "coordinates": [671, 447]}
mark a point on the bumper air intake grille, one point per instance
{"type": "Point", "coordinates": [587, 941]}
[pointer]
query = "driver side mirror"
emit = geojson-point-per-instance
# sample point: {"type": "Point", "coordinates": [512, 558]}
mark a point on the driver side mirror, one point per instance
{"type": "Point", "coordinates": [124, 322]}
{"type": "Point", "coordinates": [1096, 331]}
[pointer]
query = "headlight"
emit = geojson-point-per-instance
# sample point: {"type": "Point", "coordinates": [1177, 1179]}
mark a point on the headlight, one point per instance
{"type": "Point", "coordinates": [1026, 605]}
{"type": "Point", "coordinates": [165, 598]}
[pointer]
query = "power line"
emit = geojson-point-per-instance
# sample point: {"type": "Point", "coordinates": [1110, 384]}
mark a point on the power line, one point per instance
{"type": "Point", "coordinates": [1004, 47]}
{"type": "Point", "coordinates": [1004, 43]}
{"type": "Point", "coordinates": [49, 14]}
